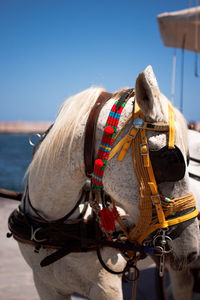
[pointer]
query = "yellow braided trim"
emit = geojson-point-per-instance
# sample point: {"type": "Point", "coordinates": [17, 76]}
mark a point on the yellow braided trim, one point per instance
{"type": "Point", "coordinates": [145, 206]}
{"type": "Point", "coordinates": [169, 223]}
{"type": "Point", "coordinates": [178, 204]}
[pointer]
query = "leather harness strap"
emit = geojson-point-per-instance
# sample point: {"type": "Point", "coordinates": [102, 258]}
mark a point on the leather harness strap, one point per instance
{"type": "Point", "coordinates": [90, 132]}
{"type": "Point", "coordinates": [75, 236]}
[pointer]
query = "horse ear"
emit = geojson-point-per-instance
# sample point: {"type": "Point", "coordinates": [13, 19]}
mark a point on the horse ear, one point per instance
{"type": "Point", "coordinates": [147, 93]}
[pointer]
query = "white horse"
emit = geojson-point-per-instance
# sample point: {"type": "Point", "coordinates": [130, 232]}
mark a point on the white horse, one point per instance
{"type": "Point", "coordinates": [182, 281]}
{"type": "Point", "coordinates": [56, 177]}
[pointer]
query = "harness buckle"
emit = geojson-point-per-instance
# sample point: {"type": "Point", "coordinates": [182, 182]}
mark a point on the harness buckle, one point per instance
{"type": "Point", "coordinates": [132, 136]}
{"type": "Point", "coordinates": [156, 199]}
{"type": "Point", "coordinates": [144, 149]}
{"type": "Point", "coordinates": [33, 235]}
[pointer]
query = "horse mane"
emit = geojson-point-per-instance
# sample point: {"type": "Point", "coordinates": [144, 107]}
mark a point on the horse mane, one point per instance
{"type": "Point", "coordinates": [71, 112]}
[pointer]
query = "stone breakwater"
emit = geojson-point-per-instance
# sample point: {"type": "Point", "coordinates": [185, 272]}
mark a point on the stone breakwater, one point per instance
{"type": "Point", "coordinates": [24, 127]}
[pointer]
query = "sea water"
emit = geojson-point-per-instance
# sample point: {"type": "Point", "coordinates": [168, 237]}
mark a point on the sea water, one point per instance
{"type": "Point", "coordinates": [15, 156]}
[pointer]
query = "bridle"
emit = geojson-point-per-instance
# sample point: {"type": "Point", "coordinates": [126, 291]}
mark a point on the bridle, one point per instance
{"type": "Point", "coordinates": [156, 210]}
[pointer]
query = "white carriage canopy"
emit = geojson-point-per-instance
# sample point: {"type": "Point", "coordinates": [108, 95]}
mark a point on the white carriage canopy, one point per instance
{"type": "Point", "coordinates": [181, 29]}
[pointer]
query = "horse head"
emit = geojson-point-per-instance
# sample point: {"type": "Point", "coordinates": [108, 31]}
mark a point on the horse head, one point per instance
{"type": "Point", "coordinates": [170, 171]}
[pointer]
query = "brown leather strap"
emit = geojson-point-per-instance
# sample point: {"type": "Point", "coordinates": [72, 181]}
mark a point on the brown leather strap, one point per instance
{"type": "Point", "coordinates": [90, 132]}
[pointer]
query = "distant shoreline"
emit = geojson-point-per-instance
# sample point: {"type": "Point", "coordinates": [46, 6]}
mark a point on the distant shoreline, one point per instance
{"type": "Point", "coordinates": [24, 127]}
{"type": "Point", "coordinates": [21, 127]}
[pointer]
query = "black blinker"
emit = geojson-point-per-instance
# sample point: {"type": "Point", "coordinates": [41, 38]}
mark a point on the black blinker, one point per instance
{"type": "Point", "coordinates": [168, 164]}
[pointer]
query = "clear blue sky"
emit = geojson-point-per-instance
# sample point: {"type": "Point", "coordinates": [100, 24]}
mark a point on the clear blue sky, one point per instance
{"type": "Point", "coordinates": [51, 49]}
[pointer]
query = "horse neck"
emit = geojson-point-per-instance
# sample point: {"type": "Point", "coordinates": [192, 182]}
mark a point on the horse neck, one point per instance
{"type": "Point", "coordinates": [55, 192]}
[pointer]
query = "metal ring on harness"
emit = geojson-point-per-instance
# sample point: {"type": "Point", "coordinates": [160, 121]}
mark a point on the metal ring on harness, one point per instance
{"type": "Point", "coordinates": [34, 135]}
{"type": "Point", "coordinates": [158, 244]}
{"type": "Point", "coordinates": [129, 265]}
{"type": "Point", "coordinates": [33, 235]}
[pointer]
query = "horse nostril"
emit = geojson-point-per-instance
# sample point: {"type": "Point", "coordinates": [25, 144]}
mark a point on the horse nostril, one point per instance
{"type": "Point", "coordinates": [191, 257]}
